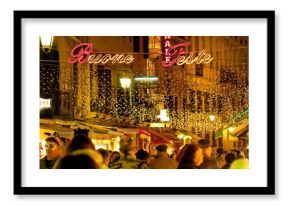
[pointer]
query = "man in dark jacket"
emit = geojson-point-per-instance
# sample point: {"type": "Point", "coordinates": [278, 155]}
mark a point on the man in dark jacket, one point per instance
{"type": "Point", "coordinates": [162, 160]}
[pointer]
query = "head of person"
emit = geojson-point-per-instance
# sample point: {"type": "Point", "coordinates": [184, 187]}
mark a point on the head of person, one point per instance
{"type": "Point", "coordinates": [206, 147]}
{"type": "Point", "coordinates": [114, 157]}
{"type": "Point", "coordinates": [142, 155]}
{"type": "Point", "coordinates": [80, 140]}
{"type": "Point", "coordinates": [230, 157]}
{"type": "Point", "coordinates": [162, 148]}
{"type": "Point", "coordinates": [190, 153]}
{"type": "Point", "coordinates": [105, 154]}
{"type": "Point", "coordinates": [127, 146]}
{"type": "Point", "coordinates": [220, 151]}
{"type": "Point", "coordinates": [52, 147]}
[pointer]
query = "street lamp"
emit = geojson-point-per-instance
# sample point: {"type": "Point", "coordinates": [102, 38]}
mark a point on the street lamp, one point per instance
{"type": "Point", "coordinates": [126, 84]}
{"type": "Point", "coordinates": [46, 42]}
{"type": "Point", "coordinates": [212, 117]}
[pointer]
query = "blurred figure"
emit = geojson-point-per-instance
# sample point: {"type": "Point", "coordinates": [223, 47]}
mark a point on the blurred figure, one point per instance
{"type": "Point", "coordinates": [53, 152]}
{"type": "Point", "coordinates": [230, 157]}
{"type": "Point", "coordinates": [128, 159]}
{"type": "Point", "coordinates": [240, 163]}
{"type": "Point", "coordinates": [162, 160]}
{"type": "Point", "coordinates": [208, 162]}
{"type": "Point", "coordinates": [81, 159]}
{"type": "Point", "coordinates": [41, 151]}
{"type": "Point", "coordinates": [173, 155]}
{"type": "Point", "coordinates": [220, 158]}
{"type": "Point", "coordinates": [80, 140]}
{"type": "Point", "coordinates": [105, 154]}
{"type": "Point", "coordinates": [190, 157]}
{"type": "Point", "coordinates": [144, 158]}
{"type": "Point", "coordinates": [114, 157]}
{"type": "Point", "coordinates": [80, 143]}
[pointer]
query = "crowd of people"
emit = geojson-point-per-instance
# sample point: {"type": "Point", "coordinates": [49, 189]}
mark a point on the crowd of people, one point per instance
{"type": "Point", "coordinates": [80, 153]}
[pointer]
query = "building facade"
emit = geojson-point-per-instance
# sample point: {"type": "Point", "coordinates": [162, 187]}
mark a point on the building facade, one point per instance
{"type": "Point", "coordinates": [200, 98]}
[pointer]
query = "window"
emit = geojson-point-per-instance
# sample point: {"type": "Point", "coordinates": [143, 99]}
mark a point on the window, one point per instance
{"type": "Point", "coordinates": [199, 70]}
{"type": "Point", "coordinates": [199, 101]}
{"type": "Point", "coordinates": [192, 101]}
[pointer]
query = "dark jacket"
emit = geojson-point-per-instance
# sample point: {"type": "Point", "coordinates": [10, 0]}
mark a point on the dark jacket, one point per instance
{"type": "Point", "coordinates": [127, 162]}
{"type": "Point", "coordinates": [162, 161]}
{"type": "Point", "coordinates": [187, 166]}
{"type": "Point", "coordinates": [209, 163]}
{"type": "Point", "coordinates": [44, 163]}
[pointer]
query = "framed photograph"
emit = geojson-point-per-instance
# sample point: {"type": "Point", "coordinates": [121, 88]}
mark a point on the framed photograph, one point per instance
{"type": "Point", "coordinates": [129, 102]}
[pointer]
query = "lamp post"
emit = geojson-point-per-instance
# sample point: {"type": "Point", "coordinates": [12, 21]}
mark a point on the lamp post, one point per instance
{"type": "Point", "coordinates": [212, 119]}
{"type": "Point", "coordinates": [126, 84]}
{"type": "Point", "coordinates": [46, 42]}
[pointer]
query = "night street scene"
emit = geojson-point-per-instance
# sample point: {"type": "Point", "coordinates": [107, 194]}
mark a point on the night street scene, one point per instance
{"type": "Point", "coordinates": [144, 102]}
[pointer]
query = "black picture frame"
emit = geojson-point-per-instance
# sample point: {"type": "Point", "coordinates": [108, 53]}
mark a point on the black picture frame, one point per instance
{"type": "Point", "coordinates": [19, 189]}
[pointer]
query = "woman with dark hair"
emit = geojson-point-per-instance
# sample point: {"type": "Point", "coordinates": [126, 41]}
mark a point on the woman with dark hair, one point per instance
{"type": "Point", "coordinates": [190, 157]}
{"type": "Point", "coordinates": [81, 159]}
{"type": "Point", "coordinates": [80, 140]}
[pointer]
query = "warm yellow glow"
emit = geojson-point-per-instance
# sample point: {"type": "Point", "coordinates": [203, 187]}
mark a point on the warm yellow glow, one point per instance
{"type": "Point", "coordinates": [212, 117]}
{"type": "Point", "coordinates": [125, 82]}
{"type": "Point", "coordinates": [231, 129]}
{"type": "Point", "coordinates": [157, 124]}
{"type": "Point", "coordinates": [163, 115]}
{"type": "Point", "coordinates": [182, 136]}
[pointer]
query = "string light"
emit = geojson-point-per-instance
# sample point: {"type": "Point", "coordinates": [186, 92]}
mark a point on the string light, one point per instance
{"type": "Point", "coordinates": [177, 81]}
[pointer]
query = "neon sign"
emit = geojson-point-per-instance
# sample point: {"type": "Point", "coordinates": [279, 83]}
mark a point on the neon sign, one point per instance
{"type": "Point", "coordinates": [82, 54]}
{"type": "Point", "coordinates": [167, 55]}
{"type": "Point", "coordinates": [175, 54]}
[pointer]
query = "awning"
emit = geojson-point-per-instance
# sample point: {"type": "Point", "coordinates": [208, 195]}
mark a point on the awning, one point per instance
{"type": "Point", "coordinates": [50, 128]}
{"type": "Point", "coordinates": [240, 127]}
{"type": "Point", "coordinates": [162, 136]}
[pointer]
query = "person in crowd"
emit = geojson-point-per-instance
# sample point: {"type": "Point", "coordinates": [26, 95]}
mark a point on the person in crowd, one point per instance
{"type": "Point", "coordinates": [162, 160]}
{"type": "Point", "coordinates": [144, 158]}
{"type": "Point", "coordinates": [190, 157]}
{"type": "Point", "coordinates": [230, 157]}
{"type": "Point", "coordinates": [81, 143]}
{"type": "Point", "coordinates": [80, 140]}
{"type": "Point", "coordinates": [240, 163]}
{"type": "Point", "coordinates": [220, 157]}
{"type": "Point", "coordinates": [53, 152]}
{"type": "Point", "coordinates": [128, 159]}
{"type": "Point", "coordinates": [208, 161]}
{"type": "Point", "coordinates": [41, 151]}
{"type": "Point", "coordinates": [81, 159]}
{"type": "Point", "coordinates": [173, 155]}
{"type": "Point", "coordinates": [106, 157]}
{"type": "Point", "coordinates": [114, 157]}
{"type": "Point", "coordinates": [239, 154]}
